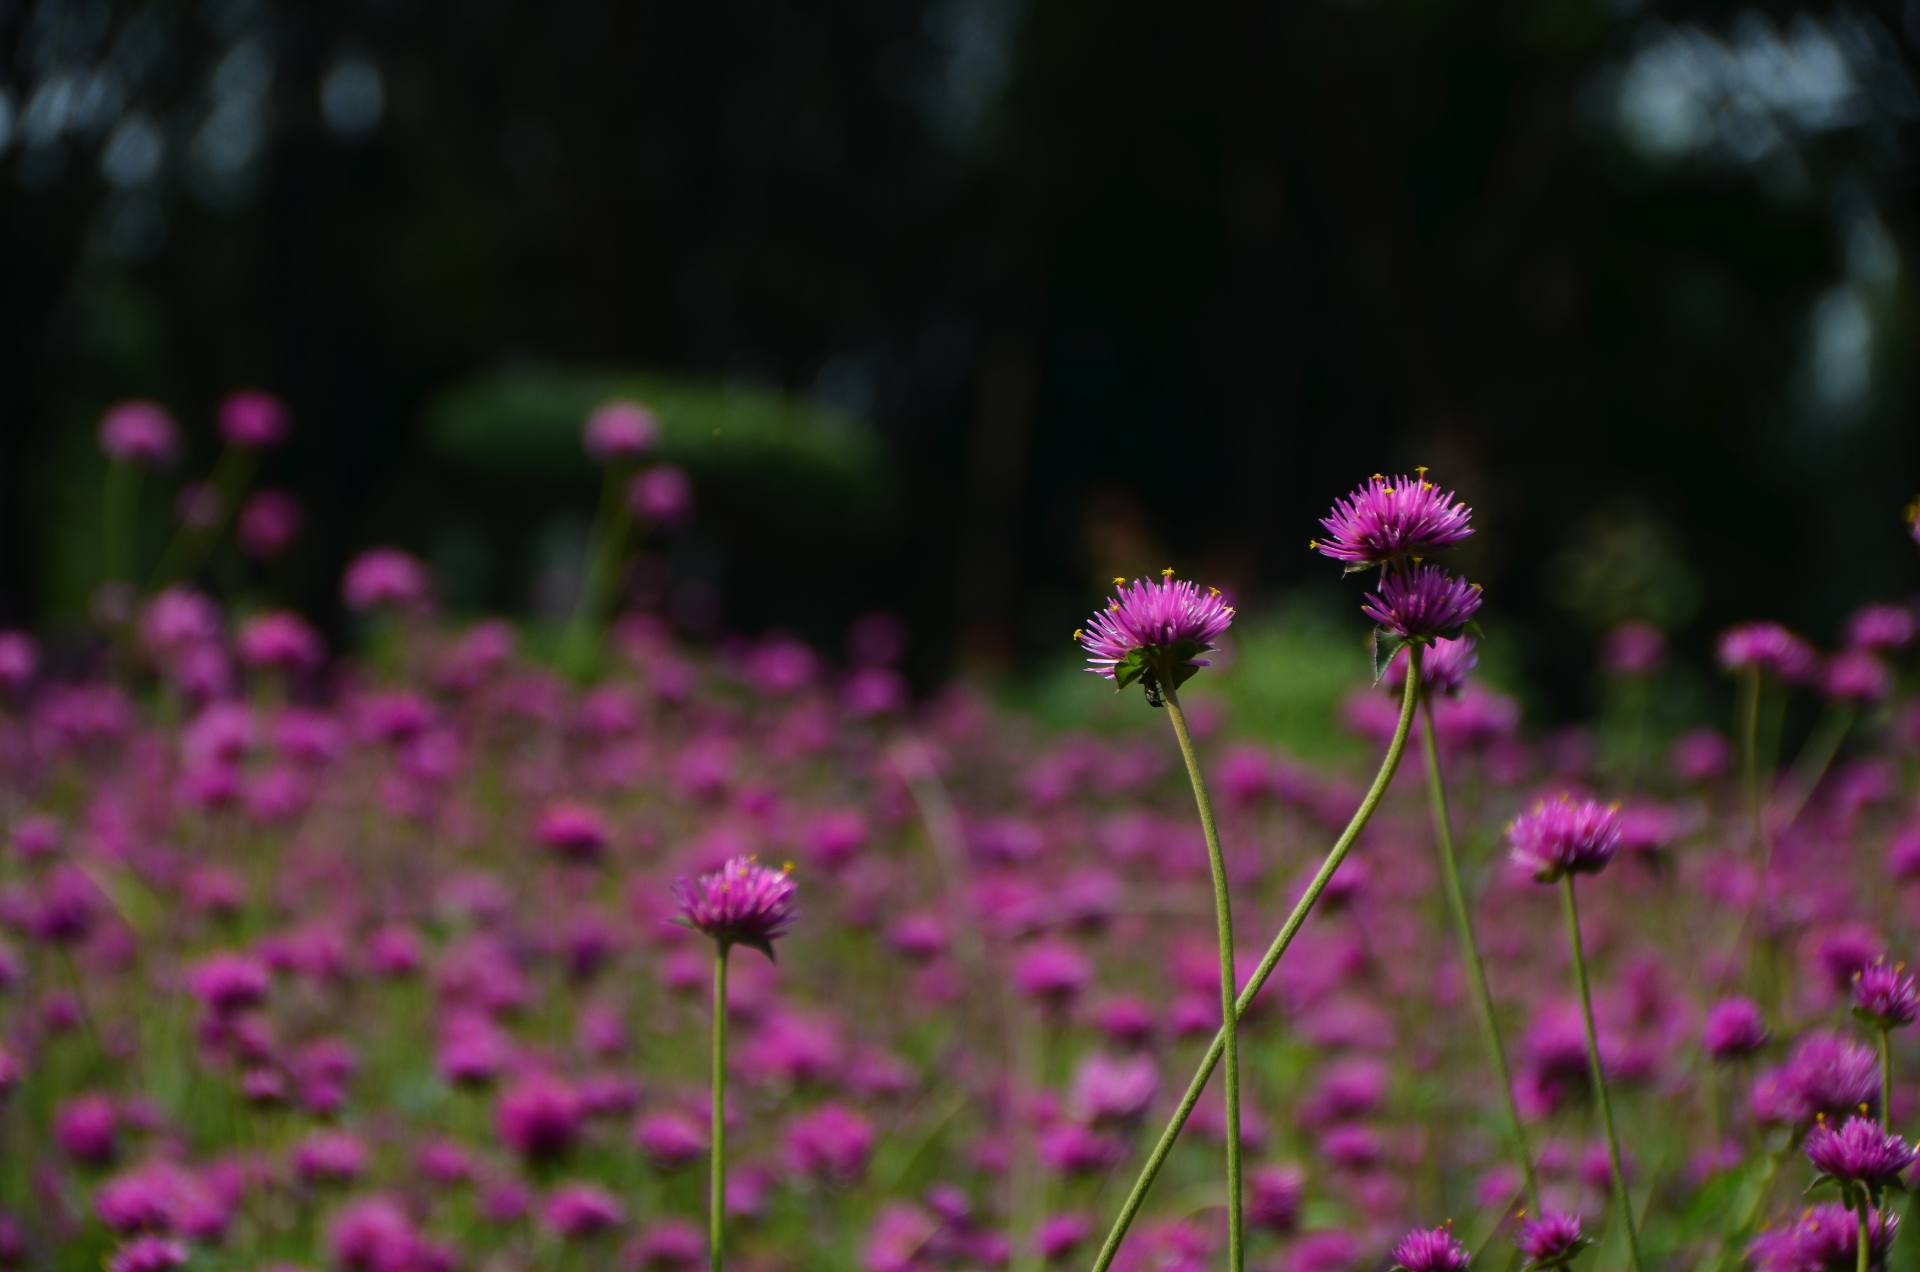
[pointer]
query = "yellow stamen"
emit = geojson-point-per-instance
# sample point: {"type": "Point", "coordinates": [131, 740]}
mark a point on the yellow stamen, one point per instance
{"type": "Point", "coordinates": [1119, 582]}
{"type": "Point", "coordinates": [1078, 634]}
{"type": "Point", "coordinates": [1167, 572]}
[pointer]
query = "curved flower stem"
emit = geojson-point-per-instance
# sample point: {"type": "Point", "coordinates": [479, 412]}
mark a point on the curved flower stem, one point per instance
{"type": "Point", "coordinates": [1130, 1208]}
{"type": "Point", "coordinates": [717, 1174]}
{"type": "Point", "coordinates": [1886, 1078]}
{"type": "Point", "coordinates": [1599, 1073]}
{"type": "Point", "coordinates": [1229, 982]}
{"type": "Point", "coordinates": [1470, 948]}
{"type": "Point", "coordinates": [1816, 757]}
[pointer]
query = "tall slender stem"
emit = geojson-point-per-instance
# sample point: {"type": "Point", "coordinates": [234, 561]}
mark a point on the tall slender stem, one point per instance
{"type": "Point", "coordinates": [1229, 982]}
{"type": "Point", "coordinates": [1886, 1078]}
{"type": "Point", "coordinates": [606, 549]}
{"type": "Point", "coordinates": [1130, 1209]}
{"type": "Point", "coordinates": [1463, 929]}
{"type": "Point", "coordinates": [1749, 728]}
{"type": "Point", "coordinates": [717, 1175]}
{"type": "Point", "coordinates": [1598, 1071]}
{"type": "Point", "coordinates": [1860, 1252]}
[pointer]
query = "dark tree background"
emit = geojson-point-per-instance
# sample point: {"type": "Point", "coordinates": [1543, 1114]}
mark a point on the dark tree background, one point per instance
{"type": "Point", "coordinates": [1111, 283]}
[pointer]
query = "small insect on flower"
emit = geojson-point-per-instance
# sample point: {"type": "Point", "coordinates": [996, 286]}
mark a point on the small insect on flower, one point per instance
{"type": "Point", "coordinates": [1564, 836]}
{"type": "Point", "coordinates": [1392, 519]}
{"type": "Point", "coordinates": [1884, 995]}
{"type": "Point", "coordinates": [1431, 1250]}
{"type": "Point", "coordinates": [741, 903]}
{"type": "Point", "coordinates": [1154, 633]}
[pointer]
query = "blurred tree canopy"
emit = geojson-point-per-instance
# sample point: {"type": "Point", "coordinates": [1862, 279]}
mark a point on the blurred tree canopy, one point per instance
{"type": "Point", "coordinates": [1100, 286]}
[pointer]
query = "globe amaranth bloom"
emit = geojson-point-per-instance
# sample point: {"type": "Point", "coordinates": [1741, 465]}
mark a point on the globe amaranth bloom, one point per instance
{"type": "Point", "coordinates": [741, 903]}
{"type": "Point", "coordinates": [1422, 603]}
{"type": "Point", "coordinates": [1767, 647]}
{"type": "Point", "coordinates": [620, 429]}
{"type": "Point", "coordinates": [1154, 633]}
{"type": "Point", "coordinates": [1735, 1028]}
{"type": "Point", "coordinates": [1859, 1153]}
{"type": "Point", "coordinates": [1824, 1239]}
{"type": "Point", "coordinates": [1829, 1074]}
{"type": "Point", "coordinates": [138, 432]}
{"type": "Point", "coordinates": [1550, 1240]}
{"type": "Point", "coordinates": [1444, 670]}
{"type": "Point", "coordinates": [1564, 836]}
{"type": "Point", "coordinates": [1430, 1250]}
{"type": "Point", "coordinates": [1884, 995]}
{"type": "Point", "coordinates": [1391, 519]}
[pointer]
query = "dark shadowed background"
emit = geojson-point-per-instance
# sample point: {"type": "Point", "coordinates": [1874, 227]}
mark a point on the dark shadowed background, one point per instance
{"type": "Point", "coordinates": [957, 308]}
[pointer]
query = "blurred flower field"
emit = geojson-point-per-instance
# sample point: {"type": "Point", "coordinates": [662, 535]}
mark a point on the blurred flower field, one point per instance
{"type": "Point", "coordinates": [366, 957]}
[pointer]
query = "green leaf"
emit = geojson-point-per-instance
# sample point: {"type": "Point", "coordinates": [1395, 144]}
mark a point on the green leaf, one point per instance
{"type": "Point", "coordinates": [1383, 646]}
{"type": "Point", "coordinates": [760, 943]}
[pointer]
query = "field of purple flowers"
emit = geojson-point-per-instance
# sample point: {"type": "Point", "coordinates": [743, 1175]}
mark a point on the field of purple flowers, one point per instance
{"type": "Point", "coordinates": [403, 957]}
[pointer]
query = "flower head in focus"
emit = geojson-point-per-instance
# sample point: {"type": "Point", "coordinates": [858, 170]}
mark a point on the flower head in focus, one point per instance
{"type": "Point", "coordinates": [1154, 633]}
{"type": "Point", "coordinates": [1564, 836]}
{"type": "Point", "coordinates": [1884, 995]}
{"type": "Point", "coordinates": [1550, 1240]}
{"type": "Point", "coordinates": [1392, 519]}
{"type": "Point", "coordinates": [741, 903]}
{"type": "Point", "coordinates": [1431, 1250]}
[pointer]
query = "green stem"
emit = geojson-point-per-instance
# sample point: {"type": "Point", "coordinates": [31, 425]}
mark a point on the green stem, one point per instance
{"type": "Point", "coordinates": [1886, 1079]}
{"type": "Point", "coordinates": [1816, 758]}
{"type": "Point", "coordinates": [1268, 961]}
{"type": "Point", "coordinates": [119, 498]}
{"type": "Point", "coordinates": [1469, 947]}
{"type": "Point", "coordinates": [1860, 1254]}
{"type": "Point", "coordinates": [1599, 1073]}
{"type": "Point", "coordinates": [1749, 728]}
{"type": "Point", "coordinates": [606, 549]}
{"type": "Point", "coordinates": [717, 1176]}
{"type": "Point", "coordinates": [1229, 1018]}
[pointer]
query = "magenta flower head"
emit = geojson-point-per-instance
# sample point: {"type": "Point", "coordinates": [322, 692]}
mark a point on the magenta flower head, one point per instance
{"type": "Point", "coordinates": [1430, 1250]}
{"type": "Point", "coordinates": [1767, 647]}
{"type": "Point", "coordinates": [1154, 633]}
{"type": "Point", "coordinates": [384, 578]}
{"type": "Point", "coordinates": [1564, 836]}
{"type": "Point", "coordinates": [138, 432]}
{"type": "Point", "coordinates": [1881, 629]}
{"type": "Point", "coordinates": [252, 420]}
{"type": "Point", "coordinates": [1735, 1029]}
{"type": "Point", "coordinates": [1444, 670]}
{"type": "Point", "coordinates": [620, 430]}
{"type": "Point", "coordinates": [1823, 1239]}
{"type": "Point", "coordinates": [1858, 1158]}
{"type": "Point", "coordinates": [1634, 649]}
{"type": "Point", "coordinates": [1392, 519]}
{"type": "Point", "coordinates": [1884, 995]}
{"type": "Point", "coordinates": [741, 903]}
{"type": "Point", "coordinates": [662, 494]}
{"type": "Point", "coordinates": [1856, 678]}
{"type": "Point", "coordinates": [1422, 603]}
{"type": "Point", "coordinates": [1550, 1240]}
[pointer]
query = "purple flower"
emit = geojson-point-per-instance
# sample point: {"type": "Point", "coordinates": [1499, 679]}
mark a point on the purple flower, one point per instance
{"type": "Point", "coordinates": [539, 1117]}
{"type": "Point", "coordinates": [138, 432]}
{"type": "Point", "coordinates": [269, 522]}
{"type": "Point", "coordinates": [831, 1142]}
{"type": "Point", "coordinates": [1114, 1089]}
{"type": "Point", "coordinates": [1550, 1240]}
{"type": "Point", "coordinates": [1857, 678]}
{"type": "Point", "coordinates": [1823, 1239]}
{"type": "Point", "coordinates": [575, 832]}
{"type": "Point", "coordinates": [1390, 518]}
{"type": "Point", "coordinates": [1767, 647]}
{"type": "Point", "coordinates": [384, 578]}
{"type": "Point", "coordinates": [148, 1254]}
{"type": "Point", "coordinates": [1881, 628]}
{"type": "Point", "coordinates": [620, 429]}
{"type": "Point", "coordinates": [669, 1139]}
{"type": "Point", "coordinates": [228, 983]}
{"type": "Point", "coordinates": [1061, 1234]}
{"type": "Point", "coordinates": [662, 494]}
{"type": "Point", "coordinates": [1422, 603]}
{"type": "Point", "coordinates": [1430, 1250]}
{"type": "Point", "coordinates": [741, 903]}
{"type": "Point", "coordinates": [1444, 670]}
{"type": "Point", "coordinates": [1052, 971]}
{"type": "Point", "coordinates": [252, 420]}
{"type": "Point", "coordinates": [87, 1128]}
{"type": "Point", "coordinates": [1634, 649]}
{"type": "Point", "coordinates": [1154, 632]}
{"type": "Point", "coordinates": [1564, 836]}
{"type": "Point", "coordinates": [1734, 1028]}
{"type": "Point", "coordinates": [373, 1234]}
{"type": "Point", "coordinates": [1273, 1198]}
{"type": "Point", "coordinates": [1860, 1152]}
{"type": "Point", "coordinates": [1831, 1075]}
{"type": "Point", "coordinates": [577, 1211]}
{"type": "Point", "coordinates": [1884, 994]}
